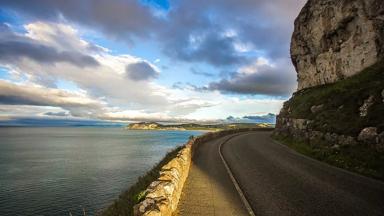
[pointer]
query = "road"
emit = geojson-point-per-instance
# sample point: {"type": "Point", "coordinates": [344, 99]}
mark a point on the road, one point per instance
{"type": "Point", "coordinates": [208, 189]}
{"type": "Point", "coordinates": [275, 181]}
{"type": "Point", "coordinates": [279, 181]}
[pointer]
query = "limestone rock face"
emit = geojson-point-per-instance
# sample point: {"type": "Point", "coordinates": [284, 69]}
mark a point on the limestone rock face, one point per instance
{"type": "Point", "coordinates": [333, 40]}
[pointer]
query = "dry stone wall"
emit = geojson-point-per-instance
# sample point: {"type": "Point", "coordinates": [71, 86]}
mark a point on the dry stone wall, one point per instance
{"type": "Point", "coordinates": [162, 195]}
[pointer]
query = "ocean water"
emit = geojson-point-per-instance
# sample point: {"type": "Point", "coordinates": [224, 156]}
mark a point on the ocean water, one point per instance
{"type": "Point", "coordinates": [54, 171]}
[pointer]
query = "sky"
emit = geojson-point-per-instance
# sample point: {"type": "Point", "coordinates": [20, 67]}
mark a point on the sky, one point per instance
{"type": "Point", "coordinates": [145, 60]}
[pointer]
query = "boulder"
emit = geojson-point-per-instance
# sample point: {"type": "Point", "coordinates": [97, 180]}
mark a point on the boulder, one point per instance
{"type": "Point", "coordinates": [368, 135]}
{"type": "Point", "coordinates": [382, 95]}
{"type": "Point", "coordinates": [318, 108]}
{"type": "Point", "coordinates": [346, 140]}
{"type": "Point", "coordinates": [367, 103]}
{"type": "Point", "coordinates": [380, 142]}
{"type": "Point", "coordinates": [331, 138]}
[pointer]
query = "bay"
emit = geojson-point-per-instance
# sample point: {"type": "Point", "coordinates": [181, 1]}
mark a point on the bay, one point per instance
{"type": "Point", "coordinates": [54, 171]}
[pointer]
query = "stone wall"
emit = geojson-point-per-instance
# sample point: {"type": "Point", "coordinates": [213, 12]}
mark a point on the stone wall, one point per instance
{"type": "Point", "coordinates": [333, 40]}
{"type": "Point", "coordinates": [162, 195]}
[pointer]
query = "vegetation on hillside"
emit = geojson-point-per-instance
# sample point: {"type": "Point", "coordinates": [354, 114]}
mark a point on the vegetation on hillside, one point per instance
{"type": "Point", "coordinates": [358, 158]}
{"type": "Point", "coordinates": [340, 103]}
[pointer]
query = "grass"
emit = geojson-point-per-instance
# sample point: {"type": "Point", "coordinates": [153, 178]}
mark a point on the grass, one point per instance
{"type": "Point", "coordinates": [123, 206]}
{"type": "Point", "coordinates": [341, 102]}
{"type": "Point", "coordinates": [358, 159]}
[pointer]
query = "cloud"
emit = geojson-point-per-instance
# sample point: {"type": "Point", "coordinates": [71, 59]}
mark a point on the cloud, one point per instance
{"type": "Point", "coordinates": [111, 87]}
{"type": "Point", "coordinates": [13, 47]}
{"type": "Point", "coordinates": [268, 118]}
{"type": "Point", "coordinates": [259, 78]}
{"type": "Point", "coordinates": [76, 104]}
{"type": "Point", "coordinates": [141, 71]}
{"type": "Point", "coordinates": [56, 122]}
{"type": "Point", "coordinates": [198, 30]}
{"type": "Point", "coordinates": [209, 47]}
{"type": "Point", "coordinates": [118, 19]}
{"type": "Point", "coordinates": [109, 78]}
{"type": "Point", "coordinates": [202, 30]}
{"type": "Point", "coordinates": [201, 73]}
{"type": "Point", "coordinates": [61, 114]}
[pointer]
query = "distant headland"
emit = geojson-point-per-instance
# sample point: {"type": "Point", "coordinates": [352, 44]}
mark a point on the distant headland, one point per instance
{"type": "Point", "coordinates": [194, 126]}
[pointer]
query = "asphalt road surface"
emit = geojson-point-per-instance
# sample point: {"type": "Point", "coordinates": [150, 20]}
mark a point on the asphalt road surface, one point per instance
{"type": "Point", "coordinates": [208, 189]}
{"type": "Point", "coordinates": [278, 181]}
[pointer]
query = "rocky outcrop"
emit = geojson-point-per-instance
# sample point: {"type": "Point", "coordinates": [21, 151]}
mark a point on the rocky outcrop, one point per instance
{"type": "Point", "coordinates": [162, 195]}
{"type": "Point", "coordinates": [333, 40]}
{"type": "Point", "coordinates": [301, 129]}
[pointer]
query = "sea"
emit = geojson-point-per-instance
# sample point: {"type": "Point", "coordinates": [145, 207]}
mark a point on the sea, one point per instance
{"type": "Point", "coordinates": [63, 171]}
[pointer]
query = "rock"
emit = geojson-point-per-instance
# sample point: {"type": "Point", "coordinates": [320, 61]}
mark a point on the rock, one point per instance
{"type": "Point", "coordinates": [300, 124]}
{"type": "Point", "coordinates": [333, 40]}
{"type": "Point", "coordinates": [346, 140]}
{"type": "Point", "coordinates": [382, 95]}
{"type": "Point", "coordinates": [368, 135]}
{"type": "Point", "coordinates": [367, 103]}
{"type": "Point", "coordinates": [380, 142]}
{"type": "Point", "coordinates": [316, 135]}
{"type": "Point", "coordinates": [331, 138]}
{"type": "Point", "coordinates": [318, 108]}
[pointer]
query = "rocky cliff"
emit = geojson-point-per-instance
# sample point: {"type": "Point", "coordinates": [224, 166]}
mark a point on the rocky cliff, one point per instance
{"type": "Point", "coordinates": [337, 114]}
{"type": "Point", "coordinates": [333, 40]}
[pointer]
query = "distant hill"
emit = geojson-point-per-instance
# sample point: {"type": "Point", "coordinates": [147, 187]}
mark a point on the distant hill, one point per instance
{"type": "Point", "coordinates": [269, 118]}
{"type": "Point", "coordinates": [192, 126]}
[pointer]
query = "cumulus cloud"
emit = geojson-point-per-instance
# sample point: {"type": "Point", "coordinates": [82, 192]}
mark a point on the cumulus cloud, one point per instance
{"type": "Point", "coordinates": [111, 87]}
{"type": "Point", "coordinates": [267, 118]}
{"type": "Point", "coordinates": [202, 30]}
{"type": "Point", "coordinates": [14, 46]}
{"type": "Point", "coordinates": [198, 30]}
{"type": "Point", "coordinates": [141, 70]}
{"type": "Point", "coordinates": [108, 78]}
{"type": "Point", "coordinates": [119, 19]}
{"type": "Point", "coordinates": [259, 78]}
{"type": "Point", "coordinates": [76, 104]}
{"type": "Point", "coordinates": [212, 48]}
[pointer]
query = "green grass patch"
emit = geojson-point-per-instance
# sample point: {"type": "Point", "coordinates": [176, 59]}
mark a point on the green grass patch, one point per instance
{"type": "Point", "coordinates": [123, 206]}
{"type": "Point", "coordinates": [359, 159]}
{"type": "Point", "coordinates": [341, 102]}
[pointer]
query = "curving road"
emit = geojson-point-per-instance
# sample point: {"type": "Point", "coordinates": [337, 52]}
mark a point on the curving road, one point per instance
{"type": "Point", "coordinates": [279, 181]}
